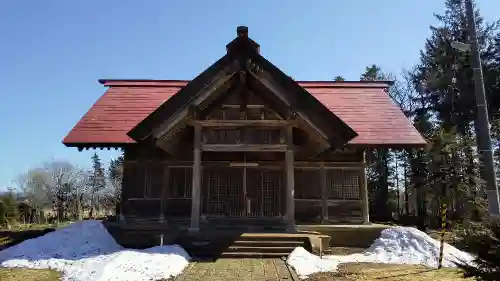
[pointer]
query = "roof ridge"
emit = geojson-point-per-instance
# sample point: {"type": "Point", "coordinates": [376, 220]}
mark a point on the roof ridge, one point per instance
{"type": "Point", "coordinates": [304, 83]}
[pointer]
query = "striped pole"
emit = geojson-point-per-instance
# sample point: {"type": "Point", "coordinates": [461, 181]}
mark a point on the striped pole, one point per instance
{"type": "Point", "coordinates": [443, 232]}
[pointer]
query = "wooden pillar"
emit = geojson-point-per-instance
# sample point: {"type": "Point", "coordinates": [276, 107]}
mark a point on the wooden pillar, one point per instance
{"type": "Point", "coordinates": [324, 195]}
{"type": "Point", "coordinates": [195, 198]}
{"type": "Point", "coordinates": [363, 190]}
{"type": "Point", "coordinates": [165, 191]}
{"type": "Point", "coordinates": [290, 182]}
{"type": "Point", "coordinates": [290, 189]}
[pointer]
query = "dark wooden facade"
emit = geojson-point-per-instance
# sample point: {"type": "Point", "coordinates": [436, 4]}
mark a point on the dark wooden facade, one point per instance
{"type": "Point", "coordinates": [161, 190]}
{"type": "Point", "coordinates": [243, 143]}
{"type": "Point", "coordinates": [243, 156]}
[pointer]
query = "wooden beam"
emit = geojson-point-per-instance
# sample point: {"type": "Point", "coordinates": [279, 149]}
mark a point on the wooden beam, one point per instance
{"type": "Point", "coordinates": [363, 190]}
{"type": "Point", "coordinates": [290, 189]}
{"type": "Point", "coordinates": [290, 180]}
{"type": "Point", "coordinates": [324, 195]}
{"type": "Point", "coordinates": [243, 147]}
{"type": "Point", "coordinates": [216, 83]}
{"type": "Point", "coordinates": [267, 80]}
{"type": "Point", "coordinates": [196, 192]}
{"type": "Point", "coordinates": [252, 106]}
{"type": "Point", "coordinates": [242, 123]}
{"type": "Point", "coordinates": [350, 166]}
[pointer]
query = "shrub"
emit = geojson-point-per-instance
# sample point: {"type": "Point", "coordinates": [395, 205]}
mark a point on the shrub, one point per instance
{"type": "Point", "coordinates": [8, 209]}
{"type": "Point", "coordinates": [484, 242]}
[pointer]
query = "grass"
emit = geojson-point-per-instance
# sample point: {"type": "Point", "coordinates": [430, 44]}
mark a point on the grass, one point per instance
{"type": "Point", "coordinates": [23, 227]}
{"type": "Point", "coordinates": [11, 237]}
{"type": "Point", "coordinates": [22, 274]}
{"type": "Point", "coordinates": [388, 272]}
{"type": "Point", "coordinates": [19, 233]}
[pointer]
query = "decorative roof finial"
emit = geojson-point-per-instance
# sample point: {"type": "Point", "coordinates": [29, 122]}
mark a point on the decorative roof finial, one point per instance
{"type": "Point", "coordinates": [242, 31]}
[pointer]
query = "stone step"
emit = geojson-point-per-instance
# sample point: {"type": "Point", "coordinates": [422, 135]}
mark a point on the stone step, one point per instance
{"type": "Point", "coordinates": [271, 239]}
{"type": "Point", "coordinates": [269, 243]}
{"type": "Point", "coordinates": [252, 255]}
{"type": "Point", "coordinates": [244, 249]}
{"type": "Point", "coordinates": [253, 228]}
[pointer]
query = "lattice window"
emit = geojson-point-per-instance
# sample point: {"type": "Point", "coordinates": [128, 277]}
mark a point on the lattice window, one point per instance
{"type": "Point", "coordinates": [223, 192]}
{"type": "Point", "coordinates": [180, 182]}
{"type": "Point", "coordinates": [351, 184]}
{"type": "Point", "coordinates": [307, 184]}
{"type": "Point", "coordinates": [334, 184]}
{"type": "Point", "coordinates": [264, 188]}
{"type": "Point", "coordinates": [342, 184]}
{"type": "Point", "coordinates": [154, 181]}
{"type": "Point", "coordinates": [270, 193]}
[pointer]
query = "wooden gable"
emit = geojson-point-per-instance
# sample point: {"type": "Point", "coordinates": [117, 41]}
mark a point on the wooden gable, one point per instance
{"type": "Point", "coordinates": [231, 82]}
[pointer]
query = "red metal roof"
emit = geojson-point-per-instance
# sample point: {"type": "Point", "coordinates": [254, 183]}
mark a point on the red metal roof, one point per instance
{"type": "Point", "coordinates": [364, 106]}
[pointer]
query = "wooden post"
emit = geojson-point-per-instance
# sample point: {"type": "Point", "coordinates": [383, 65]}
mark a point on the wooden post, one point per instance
{"type": "Point", "coordinates": [290, 189]}
{"type": "Point", "coordinates": [290, 181]}
{"type": "Point", "coordinates": [246, 199]}
{"type": "Point", "coordinates": [195, 198]}
{"type": "Point", "coordinates": [324, 195]}
{"type": "Point", "coordinates": [363, 190]}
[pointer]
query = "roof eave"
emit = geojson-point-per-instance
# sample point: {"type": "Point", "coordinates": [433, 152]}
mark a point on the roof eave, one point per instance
{"type": "Point", "coordinates": [94, 145]}
{"type": "Point", "coordinates": [389, 145]}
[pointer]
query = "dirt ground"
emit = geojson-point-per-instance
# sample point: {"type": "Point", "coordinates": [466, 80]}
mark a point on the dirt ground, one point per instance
{"type": "Point", "coordinates": [386, 272]}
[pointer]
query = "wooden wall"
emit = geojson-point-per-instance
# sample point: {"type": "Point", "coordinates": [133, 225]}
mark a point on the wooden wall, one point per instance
{"type": "Point", "coordinates": [157, 187]}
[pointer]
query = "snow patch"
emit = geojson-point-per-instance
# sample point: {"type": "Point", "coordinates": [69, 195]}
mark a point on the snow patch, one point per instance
{"type": "Point", "coordinates": [397, 245]}
{"type": "Point", "coordinates": [306, 263]}
{"type": "Point", "coordinates": [85, 251]}
{"type": "Point", "coordinates": [407, 245]}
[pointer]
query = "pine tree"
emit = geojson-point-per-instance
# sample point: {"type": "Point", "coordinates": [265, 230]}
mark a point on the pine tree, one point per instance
{"type": "Point", "coordinates": [419, 160]}
{"type": "Point", "coordinates": [8, 208]}
{"type": "Point", "coordinates": [381, 173]}
{"type": "Point", "coordinates": [97, 182]}
{"type": "Point", "coordinates": [485, 245]}
{"type": "Point", "coordinates": [443, 81]}
{"type": "Point", "coordinates": [339, 79]}
{"type": "Point", "coordinates": [115, 177]}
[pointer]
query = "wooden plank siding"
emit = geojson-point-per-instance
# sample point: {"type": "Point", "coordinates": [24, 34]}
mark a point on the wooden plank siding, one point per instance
{"type": "Point", "coordinates": [157, 190]}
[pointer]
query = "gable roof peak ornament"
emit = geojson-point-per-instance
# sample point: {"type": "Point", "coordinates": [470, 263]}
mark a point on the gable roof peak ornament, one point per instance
{"type": "Point", "coordinates": [242, 31]}
{"type": "Point", "coordinates": [242, 42]}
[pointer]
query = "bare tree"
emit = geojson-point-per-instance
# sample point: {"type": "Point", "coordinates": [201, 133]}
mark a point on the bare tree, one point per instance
{"type": "Point", "coordinates": [34, 187]}
{"type": "Point", "coordinates": [64, 185]}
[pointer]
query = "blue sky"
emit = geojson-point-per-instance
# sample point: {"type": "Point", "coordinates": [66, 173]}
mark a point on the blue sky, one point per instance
{"type": "Point", "coordinates": [52, 53]}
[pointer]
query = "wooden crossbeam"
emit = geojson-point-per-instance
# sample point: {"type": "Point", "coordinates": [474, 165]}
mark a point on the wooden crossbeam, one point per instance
{"type": "Point", "coordinates": [243, 147]}
{"type": "Point", "coordinates": [242, 123]}
{"type": "Point", "coordinates": [256, 106]}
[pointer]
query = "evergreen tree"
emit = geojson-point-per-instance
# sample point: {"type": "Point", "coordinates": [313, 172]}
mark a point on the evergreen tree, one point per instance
{"type": "Point", "coordinates": [445, 90]}
{"type": "Point", "coordinates": [419, 160]}
{"type": "Point", "coordinates": [381, 172]}
{"type": "Point", "coordinates": [339, 79]}
{"type": "Point", "coordinates": [97, 182]}
{"type": "Point", "coordinates": [485, 245]}
{"type": "Point", "coordinates": [115, 177]}
{"type": "Point", "coordinates": [8, 208]}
